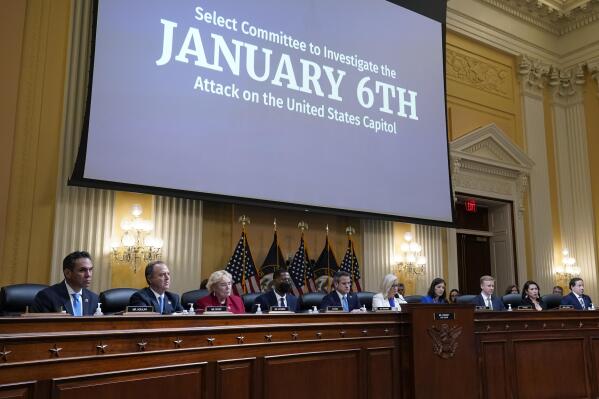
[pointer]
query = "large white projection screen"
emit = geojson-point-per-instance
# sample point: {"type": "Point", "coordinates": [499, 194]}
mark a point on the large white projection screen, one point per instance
{"type": "Point", "coordinates": [336, 104]}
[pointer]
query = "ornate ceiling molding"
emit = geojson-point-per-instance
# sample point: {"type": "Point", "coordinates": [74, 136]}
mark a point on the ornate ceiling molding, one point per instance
{"type": "Point", "coordinates": [556, 16]}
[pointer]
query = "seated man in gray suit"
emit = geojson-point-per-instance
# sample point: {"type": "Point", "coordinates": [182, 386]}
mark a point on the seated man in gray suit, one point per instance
{"type": "Point", "coordinates": [159, 280]}
{"type": "Point", "coordinates": [71, 294]}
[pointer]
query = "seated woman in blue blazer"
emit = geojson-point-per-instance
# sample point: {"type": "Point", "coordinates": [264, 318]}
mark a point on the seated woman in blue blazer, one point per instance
{"type": "Point", "coordinates": [436, 292]}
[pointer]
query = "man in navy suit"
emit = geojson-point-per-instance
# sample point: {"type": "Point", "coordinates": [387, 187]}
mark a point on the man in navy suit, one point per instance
{"type": "Point", "coordinates": [71, 294]}
{"type": "Point", "coordinates": [279, 295]}
{"type": "Point", "coordinates": [576, 297]}
{"type": "Point", "coordinates": [156, 295]}
{"type": "Point", "coordinates": [341, 295]}
{"type": "Point", "coordinates": [486, 297]}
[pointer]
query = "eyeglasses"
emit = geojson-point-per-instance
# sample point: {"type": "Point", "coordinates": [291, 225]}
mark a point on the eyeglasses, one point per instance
{"type": "Point", "coordinates": [395, 285]}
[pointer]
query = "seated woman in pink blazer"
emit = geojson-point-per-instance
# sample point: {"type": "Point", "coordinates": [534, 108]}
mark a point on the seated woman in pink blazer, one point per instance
{"type": "Point", "coordinates": [220, 285]}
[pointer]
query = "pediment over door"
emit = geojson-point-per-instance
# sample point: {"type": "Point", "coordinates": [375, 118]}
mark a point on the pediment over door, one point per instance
{"type": "Point", "coordinates": [486, 162]}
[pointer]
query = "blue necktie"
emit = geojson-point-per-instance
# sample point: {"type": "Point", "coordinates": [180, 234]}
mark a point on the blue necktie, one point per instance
{"type": "Point", "coordinates": [161, 301]}
{"type": "Point", "coordinates": [345, 304]}
{"type": "Point", "coordinates": [392, 302]}
{"type": "Point", "coordinates": [76, 305]}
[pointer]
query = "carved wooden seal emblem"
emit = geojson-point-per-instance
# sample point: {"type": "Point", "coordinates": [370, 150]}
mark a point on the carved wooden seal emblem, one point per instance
{"type": "Point", "coordinates": [445, 340]}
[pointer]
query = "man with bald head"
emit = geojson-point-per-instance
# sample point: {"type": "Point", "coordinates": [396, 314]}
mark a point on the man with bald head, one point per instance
{"type": "Point", "coordinates": [156, 295]}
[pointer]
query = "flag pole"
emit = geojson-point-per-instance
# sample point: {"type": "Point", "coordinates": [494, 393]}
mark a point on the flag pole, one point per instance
{"type": "Point", "coordinates": [351, 231]}
{"type": "Point", "coordinates": [276, 243]}
{"type": "Point", "coordinates": [328, 258]}
{"type": "Point", "coordinates": [304, 226]}
{"type": "Point", "coordinates": [243, 220]}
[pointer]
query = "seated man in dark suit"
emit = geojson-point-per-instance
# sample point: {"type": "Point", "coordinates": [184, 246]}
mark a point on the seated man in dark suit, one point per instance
{"type": "Point", "coordinates": [486, 297]}
{"type": "Point", "coordinates": [576, 297]}
{"type": "Point", "coordinates": [71, 294]}
{"type": "Point", "coordinates": [156, 295]}
{"type": "Point", "coordinates": [279, 295]}
{"type": "Point", "coordinates": [341, 295]}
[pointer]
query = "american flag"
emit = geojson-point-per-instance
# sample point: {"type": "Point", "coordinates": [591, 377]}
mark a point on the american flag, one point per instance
{"type": "Point", "coordinates": [301, 272]}
{"type": "Point", "coordinates": [350, 264]}
{"type": "Point", "coordinates": [242, 268]}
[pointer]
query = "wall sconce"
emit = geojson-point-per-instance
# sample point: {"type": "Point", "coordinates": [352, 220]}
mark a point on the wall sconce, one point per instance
{"type": "Point", "coordinates": [136, 245]}
{"type": "Point", "coordinates": [409, 261]}
{"type": "Point", "coordinates": [567, 270]}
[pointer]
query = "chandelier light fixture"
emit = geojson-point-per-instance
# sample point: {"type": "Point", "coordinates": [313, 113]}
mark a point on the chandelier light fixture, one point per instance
{"type": "Point", "coordinates": [409, 260]}
{"type": "Point", "coordinates": [136, 245]}
{"type": "Point", "coordinates": [568, 269]}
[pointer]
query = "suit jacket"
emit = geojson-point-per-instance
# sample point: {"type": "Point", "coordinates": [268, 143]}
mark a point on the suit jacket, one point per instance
{"type": "Point", "coordinates": [571, 299]}
{"type": "Point", "coordinates": [55, 297]}
{"type": "Point", "coordinates": [429, 299]}
{"type": "Point", "coordinates": [332, 299]}
{"type": "Point", "coordinates": [380, 300]}
{"type": "Point", "coordinates": [145, 297]}
{"type": "Point", "coordinates": [233, 303]}
{"type": "Point", "coordinates": [497, 302]}
{"type": "Point", "coordinates": [527, 302]}
{"type": "Point", "coordinates": [269, 299]}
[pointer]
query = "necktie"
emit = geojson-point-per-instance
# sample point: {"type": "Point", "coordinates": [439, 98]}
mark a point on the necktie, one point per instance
{"type": "Point", "coordinates": [161, 302]}
{"type": "Point", "coordinates": [392, 302]}
{"type": "Point", "coordinates": [581, 302]}
{"type": "Point", "coordinates": [345, 304]}
{"type": "Point", "coordinates": [282, 301]}
{"type": "Point", "coordinates": [76, 305]}
{"type": "Point", "coordinates": [489, 303]}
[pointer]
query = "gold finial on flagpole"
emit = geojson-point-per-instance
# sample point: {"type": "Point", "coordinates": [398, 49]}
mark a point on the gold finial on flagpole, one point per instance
{"type": "Point", "coordinates": [327, 229]}
{"type": "Point", "coordinates": [244, 220]}
{"type": "Point", "coordinates": [350, 231]}
{"type": "Point", "coordinates": [275, 224]}
{"type": "Point", "coordinates": [302, 226]}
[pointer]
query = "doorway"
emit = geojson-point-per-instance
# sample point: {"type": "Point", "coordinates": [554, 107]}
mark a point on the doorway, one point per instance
{"type": "Point", "coordinates": [485, 243]}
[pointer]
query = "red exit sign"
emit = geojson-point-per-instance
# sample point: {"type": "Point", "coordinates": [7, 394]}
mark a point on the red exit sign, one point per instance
{"type": "Point", "coordinates": [470, 205]}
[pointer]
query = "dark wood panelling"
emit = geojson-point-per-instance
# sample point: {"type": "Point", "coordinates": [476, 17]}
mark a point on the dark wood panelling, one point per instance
{"type": "Point", "coordinates": [158, 383]}
{"type": "Point", "coordinates": [235, 379]}
{"type": "Point", "coordinates": [558, 366]}
{"type": "Point", "coordinates": [494, 375]}
{"type": "Point", "coordinates": [318, 375]}
{"type": "Point", "coordinates": [380, 368]}
{"type": "Point", "coordinates": [17, 391]}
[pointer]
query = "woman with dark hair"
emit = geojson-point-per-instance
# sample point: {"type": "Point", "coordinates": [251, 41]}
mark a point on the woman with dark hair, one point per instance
{"type": "Point", "coordinates": [436, 292]}
{"type": "Point", "coordinates": [453, 296]}
{"type": "Point", "coordinates": [512, 289]}
{"type": "Point", "coordinates": [531, 296]}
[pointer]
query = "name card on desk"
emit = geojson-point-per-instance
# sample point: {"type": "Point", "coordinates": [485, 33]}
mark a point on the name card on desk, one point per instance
{"type": "Point", "coordinates": [525, 307]}
{"type": "Point", "coordinates": [279, 309]}
{"type": "Point", "coordinates": [444, 316]}
{"type": "Point", "coordinates": [481, 308]}
{"type": "Point", "coordinates": [566, 307]}
{"type": "Point", "coordinates": [139, 309]}
{"type": "Point", "coordinates": [334, 309]}
{"type": "Point", "coordinates": [383, 309]}
{"type": "Point", "coordinates": [216, 309]}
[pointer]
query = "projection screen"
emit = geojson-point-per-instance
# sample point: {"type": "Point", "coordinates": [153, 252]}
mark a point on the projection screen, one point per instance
{"type": "Point", "coordinates": [335, 105]}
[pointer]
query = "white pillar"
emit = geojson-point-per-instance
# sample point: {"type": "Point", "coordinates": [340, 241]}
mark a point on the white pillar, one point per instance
{"type": "Point", "coordinates": [178, 222]}
{"type": "Point", "coordinates": [531, 84]}
{"type": "Point", "coordinates": [574, 182]}
{"type": "Point", "coordinates": [377, 237]}
{"type": "Point", "coordinates": [83, 217]}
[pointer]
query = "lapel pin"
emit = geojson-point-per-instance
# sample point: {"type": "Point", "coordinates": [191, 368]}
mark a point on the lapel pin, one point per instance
{"type": "Point", "coordinates": [86, 300]}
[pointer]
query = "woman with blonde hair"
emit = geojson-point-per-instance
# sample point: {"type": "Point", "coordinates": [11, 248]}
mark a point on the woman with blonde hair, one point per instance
{"type": "Point", "coordinates": [389, 295]}
{"type": "Point", "coordinates": [220, 286]}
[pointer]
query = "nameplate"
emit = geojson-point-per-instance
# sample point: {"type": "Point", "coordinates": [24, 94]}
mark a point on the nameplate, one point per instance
{"type": "Point", "coordinates": [279, 309]}
{"type": "Point", "coordinates": [216, 309]}
{"type": "Point", "coordinates": [139, 309]}
{"type": "Point", "coordinates": [383, 309]}
{"type": "Point", "coordinates": [335, 309]}
{"type": "Point", "coordinates": [444, 316]}
{"type": "Point", "coordinates": [566, 307]}
{"type": "Point", "coordinates": [481, 308]}
{"type": "Point", "coordinates": [525, 307]}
